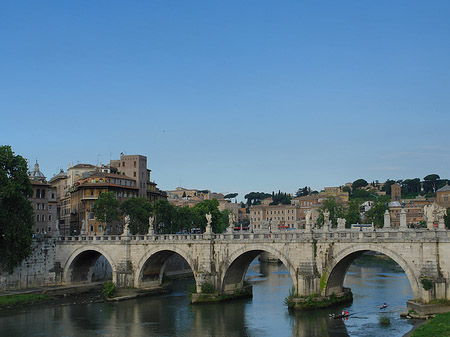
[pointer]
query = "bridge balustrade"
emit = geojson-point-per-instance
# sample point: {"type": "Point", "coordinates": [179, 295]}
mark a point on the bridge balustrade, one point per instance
{"type": "Point", "coordinates": [294, 235]}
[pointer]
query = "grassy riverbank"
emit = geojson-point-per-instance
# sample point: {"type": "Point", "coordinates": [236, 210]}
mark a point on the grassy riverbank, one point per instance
{"type": "Point", "coordinates": [438, 326]}
{"type": "Point", "coordinates": [21, 299]}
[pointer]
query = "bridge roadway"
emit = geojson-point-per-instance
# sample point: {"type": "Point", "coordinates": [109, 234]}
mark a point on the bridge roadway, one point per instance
{"type": "Point", "coordinates": [317, 260]}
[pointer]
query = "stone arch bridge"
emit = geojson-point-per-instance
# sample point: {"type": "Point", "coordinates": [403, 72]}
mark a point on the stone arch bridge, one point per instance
{"type": "Point", "coordinates": [317, 260]}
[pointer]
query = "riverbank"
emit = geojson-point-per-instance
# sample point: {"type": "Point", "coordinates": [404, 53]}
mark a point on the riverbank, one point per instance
{"type": "Point", "coordinates": [437, 326]}
{"type": "Point", "coordinates": [13, 302]}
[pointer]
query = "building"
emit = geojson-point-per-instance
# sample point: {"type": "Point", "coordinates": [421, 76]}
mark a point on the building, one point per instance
{"type": "Point", "coordinates": [74, 187]}
{"type": "Point", "coordinates": [443, 196]}
{"type": "Point", "coordinates": [44, 204]}
{"type": "Point", "coordinates": [61, 183]}
{"type": "Point", "coordinates": [276, 216]}
{"type": "Point", "coordinates": [181, 197]}
{"type": "Point", "coordinates": [396, 192]}
{"type": "Point", "coordinates": [413, 209]}
{"type": "Point", "coordinates": [135, 166]}
{"type": "Point", "coordinates": [85, 191]}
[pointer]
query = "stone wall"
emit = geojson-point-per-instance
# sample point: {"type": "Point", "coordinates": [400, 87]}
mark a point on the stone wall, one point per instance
{"type": "Point", "coordinates": [37, 270]}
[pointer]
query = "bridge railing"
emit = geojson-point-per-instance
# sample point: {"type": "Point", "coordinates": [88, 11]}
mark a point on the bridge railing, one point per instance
{"type": "Point", "coordinates": [291, 235]}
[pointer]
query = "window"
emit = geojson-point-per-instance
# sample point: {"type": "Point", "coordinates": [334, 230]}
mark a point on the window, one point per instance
{"type": "Point", "coordinates": [49, 217]}
{"type": "Point", "coordinates": [135, 163]}
{"type": "Point", "coordinates": [38, 193]}
{"type": "Point", "coordinates": [37, 206]}
{"type": "Point", "coordinates": [49, 207]}
{"type": "Point", "coordinates": [123, 164]}
{"type": "Point", "coordinates": [43, 194]}
{"type": "Point", "coordinates": [134, 174]}
{"type": "Point", "coordinates": [38, 218]}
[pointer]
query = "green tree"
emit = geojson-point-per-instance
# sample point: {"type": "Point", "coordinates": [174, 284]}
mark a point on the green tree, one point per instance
{"type": "Point", "coordinates": [165, 217]}
{"type": "Point", "coordinates": [387, 186]}
{"type": "Point", "coordinates": [359, 183]}
{"type": "Point", "coordinates": [336, 211]}
{"type": "Point", "coordinates": [376, 214]}
{"type": "Point", "coordinates": [431, 180]}
{"type": "Point", "coordinates": [254, 198]}
{"type": "Point", "coordinates": [139, 210]}
{"type": "Point", "coordinates": [280, 198]}
{"type": "Point", "coordinates": [231, 195]}
{"type": "Point", "coordinates": [185, 218]}
{"type": "Point", "coordinates": [347, 189]}
{"type": "Point", "coordinates": [301, 192]}
{"type": "Point", "coordinates": [16, 211]}
{"type": "Point", "coordinates": [360, 193]}
{"type": "Point", "coordinates": [353, 214]}
{"type": "Point", "coordinates": [205, 207]}
{"type": "Point", "coordinates": [107, 208]}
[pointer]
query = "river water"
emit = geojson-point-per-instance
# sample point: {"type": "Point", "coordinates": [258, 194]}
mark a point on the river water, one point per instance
{"type": "Point", "coordinates": [263, 315]}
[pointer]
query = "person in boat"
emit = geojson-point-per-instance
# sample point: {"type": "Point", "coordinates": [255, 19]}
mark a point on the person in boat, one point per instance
{"type": "Point", "coordinates": [346, 312]}
{"type": "Point", "coordinates": [383, 306]}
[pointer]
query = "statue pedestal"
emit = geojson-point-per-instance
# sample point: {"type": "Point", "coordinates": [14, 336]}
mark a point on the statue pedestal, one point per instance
{"type": "Point", "coordinates": [208, 230]}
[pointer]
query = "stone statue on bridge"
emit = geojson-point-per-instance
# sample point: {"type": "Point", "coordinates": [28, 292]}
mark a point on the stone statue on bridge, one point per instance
{"type": "Point", "coordinates": [126, 230]}
{"type": "Point", "coordinates": [429, 214]}
{"type": "Point", "coordinates": [341, 223]}
{"type": "Point", "coordinates": [208, 223]}
{"type": "Point", "coordinates": [326, 217]}
{"type": "Point", "coordinates": [441, 213]}
{"type": "Point", "coordinates": [151, 230]}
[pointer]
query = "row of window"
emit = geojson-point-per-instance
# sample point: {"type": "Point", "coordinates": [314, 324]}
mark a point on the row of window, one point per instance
{"type": "Point", "coordinates": [40, 194]}
{"type": "Point", "coordinates": [42, 206]}
{"type": "Point", "coordinates": [42, 230]}
{"type": "Point", "coordinates": [41, 217]}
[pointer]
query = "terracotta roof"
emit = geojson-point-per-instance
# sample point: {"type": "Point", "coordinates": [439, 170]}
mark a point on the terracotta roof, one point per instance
{"type": "Point", "coordinates": [444, 189]}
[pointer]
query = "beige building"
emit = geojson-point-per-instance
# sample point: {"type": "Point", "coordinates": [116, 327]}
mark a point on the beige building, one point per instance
{"type": "Point", "coordinates": [44, 204]}
{"type": "Point", "coordinates": [85, 191]}
{"type": "Point", "coordinates": [135, 166]}
{"type": "Point", "coordinates": [396, 192]}
{"type": "Point", "coordinates": [181, 197]}
{"type": "Point", "coordinates": [276, 216]}
{"type": "Point", "coordinates": [443, 196]}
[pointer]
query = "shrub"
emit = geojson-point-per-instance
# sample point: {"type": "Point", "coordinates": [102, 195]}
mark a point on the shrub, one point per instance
{"type": "Point", "coordinates": [384, 320]}
{"type": "Point", "coordinates": [108, 289]}
{"type": "Point", "coordinates": [207, 288]}
{"type": "Point", "coordinates": [427, 284]}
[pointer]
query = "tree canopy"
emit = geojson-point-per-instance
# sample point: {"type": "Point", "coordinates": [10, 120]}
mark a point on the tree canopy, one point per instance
{"type": "Point", "coordinates": [16, 211]}
{"type": "Point", "coordinates": [231, 195]}
{"type": "Point", "coordinates": [359, 183]}
{"type": "Point", "coordinates": [139, 210]}
{"type": "Point", "coordinates": [254, 198]}
{"type": "Point", "coordinates": [302, 192]}
{"type": "Point", "coordinates": [107, 208]}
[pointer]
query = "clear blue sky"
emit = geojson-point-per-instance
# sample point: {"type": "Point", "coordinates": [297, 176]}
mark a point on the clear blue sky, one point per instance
{"type": "Point", "coordinates": [231, 96]}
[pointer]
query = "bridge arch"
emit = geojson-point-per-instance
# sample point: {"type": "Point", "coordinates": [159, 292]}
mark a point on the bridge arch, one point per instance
{"type": "Point", "coordinates": [149, 270]}
{"type": "Point", "coordinates": [342, 260]}
{"type": "Point", "coordinates": [80, 263]}
{"type": "Point", "coordinates": [232, 270]}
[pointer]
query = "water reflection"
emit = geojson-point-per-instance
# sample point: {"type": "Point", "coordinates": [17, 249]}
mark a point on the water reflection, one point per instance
{"type": "Point", "coordinates": [263, 315]}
